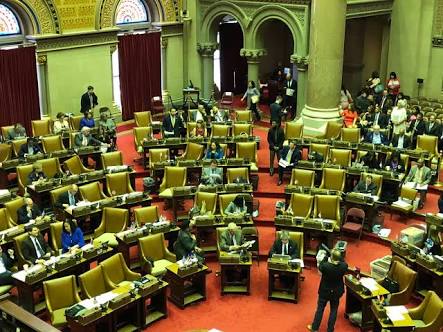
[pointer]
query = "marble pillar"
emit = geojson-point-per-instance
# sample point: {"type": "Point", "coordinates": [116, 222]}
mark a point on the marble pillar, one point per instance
{"type": "Point", "coordinates": [206, 51]}
{"type": "Point", "coordinates": [253, 58]}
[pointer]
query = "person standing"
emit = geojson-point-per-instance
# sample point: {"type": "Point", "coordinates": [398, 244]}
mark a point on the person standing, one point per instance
{"type": "Point", "coordinates": [88, 101]}
{"type": "Point", "coordinates": [252, 96]}
{"type": "Point", "coordinates": [331, 288]}
{"type": "Point", "coordinates": [290, 99]}
{"type": "Point", "coordinates": [276, 138]}
{"type": "Point", "coordinates": [172, 125]}
{"type": "Point", "coordinates": [276, 110]}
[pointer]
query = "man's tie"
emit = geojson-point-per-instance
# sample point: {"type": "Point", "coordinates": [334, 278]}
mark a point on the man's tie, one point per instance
{"type": "Point", "coordinates": [71, 199]}
{"type": "Point", "coordinates": [376, 119]}
{"type": "Point", "coordinates": [39, 248]}
{"type": "Point", "coordinates": [173, 121]}
{"type": "Point", "coordinates": [285, 249]}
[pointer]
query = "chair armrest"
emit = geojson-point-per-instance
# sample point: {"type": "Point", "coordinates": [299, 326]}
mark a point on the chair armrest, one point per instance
{"type": "Point", "coordinates": [99, 230]}
{"type": "Point", "coordinates": [131, 276]}
{"type": "Point", "coordinates": [395, 297]}
{"type": "Point", "coordinates": [170, 256]}
{"type": "Point", "coordinates": [109, 283]}
{"type": "Point", "coordinates": [146, 265]}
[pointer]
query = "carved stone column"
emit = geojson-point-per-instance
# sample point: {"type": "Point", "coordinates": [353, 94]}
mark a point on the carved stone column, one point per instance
{"type": "Point", "coordinates": [42, 59]}
{"type": "Point", "coordinates": [301, 62]}
{"type": "Point", "coordinates": [253, 58]}
{"type": "Point", "coordinates": [164, 68]}
{"type": "Point", "coordinates": [206, 51]}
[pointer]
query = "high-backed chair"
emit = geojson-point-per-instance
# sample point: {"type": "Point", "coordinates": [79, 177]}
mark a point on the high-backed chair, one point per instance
{"type": "Point", "coordinates": [404, 158]}
{"type": "Point", "coordinates": [328, 207]}
{"type": "Point", "coordinates": [114, 220]}
{"type": "Point", "coordinates": [5, 152]}
{"type": "Point", "coordinates": [18, 245]}
{"type": "Point", "coordinates": [52, 143]}
{"type": "Point", "coordinates": [143, 119]}
{"type": "Point", "coordinates": [243, 116]}
{"type": "Point", "coordinates": [75, 166]}
{"type": "Point", "coordinates": [323, 149]}
{"type": "Point", "coordinates": [174, 177]}
{"type": "Point", "coordinates": [219, 130]}
{"type": "Point", "coordinates": [354, 221]}
{"type": "Point", "coordinates": [428, 316]}
{"type": "Point", "coordinates": [301, 205]}
{"type": "Point", "coordinates": [22, 177]}
{"type": "Point", "coordinates": [428, 143]}
{"type": "Point", "coordinates": [405, 277]}
{"type": "Point", "coordinates": [54, 194]}
{"type": "Point", "coordinates": [333, 179]}
{"type": "Point", "coordinates": [56, 229]}
{"type": "Point", "coordinates": [340, 157]}
{"type": "Point", "coordinates": [193, 151]}
{"type": "Point", "coordinates": [224, 200]}
{"type": "Point", "coordinates": [118, 184]}
{"type": "Point", "coordinates": [112, 159]}
{"type": "Point", "coordinates": [154, 255]}
{"type": "Point", "coordinates": [4, 220]}
{"type": "Point", "coordinates": [350, 135]}
{"type": "Point", "coordinates": [92, 283]}
{"type": "Point", "coordinates": [5, 130]}
{"type": "Point", "coordinates": [57, 304]}
{"type": "Point", "coordinates": [157, 155]}
{"type": "Point", "coordinates": [16, 145]}
{"type": "Point", "coordinates": [360, 155]}
{"type": "Point", "coordinates": [234, 173]}
{"type": "Point", "coordinates": [332, 130]}
{"type": "Point", "coordinates": [50, 167]}
{"type": "Point", "coordinates": [210, 200]}
{"type": "Point", "coordinates": [302, 177]}
{"type": "Point", "coordinates": [297, 237]}
{"type": "Point", "coordinates": [248, 150]}
{"type": "Point", "coordinates": [41, 127]}
{"type": "Point", "coordinates": [190, 128]}
{"type": "Point", "coordinates": [140, 133]}
{"type": "Point", "coordinates": [116, 272]}
{"type": "Point", "coordinates": [407, 197]}
{"type": "Point", "coordinates": [377, 179]}
{"type": "Point", "coordinates": [148, 214]}
{"type": "Point", "coordinates": [227, 100]}
{"type": "Point", "coordinates": [74, 122]}
{"type": "Point", "coordinates": [11, 209]}
{"type": "Point", "coordinates": [242, 129]}
{"type": "Point", "coordinates": [293, 130]}
{"type": "Point", "coordinates": [157, 106]}
{"type": "Point", "coordinates": [92, 192]}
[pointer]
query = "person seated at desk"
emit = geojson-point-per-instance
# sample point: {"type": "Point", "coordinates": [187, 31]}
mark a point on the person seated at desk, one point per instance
{"type": "Point", "coordinates": [219, 115]}
{"type": "Point", "coordinates": [172, 125]}
{"type": "Point", "coordinates": [199, 114]}
{"type": "Point", "coordinates": [377, 118]}
{"type": "Point", "coordinates": [68, 198]}
{"type": "Point", "coordinates": [237, 206]}
{"type": "Point", "coordinates": [30, 148]}
{"type": "Point", "coordinates": [84, 138]}
{"type": "Point", "coordinates": [370, 160]}
{"type": "Point", "coordinates": [215, 151]}
{"type": "Point", "coordinates": [36, 174]}
{"type": "Point", "coordinates": [72, 236]}
{"type": "Point", "coordinates": [284, 246]}
{"type": "Point", "coordinates": [29, 211]}
{"type": "Point", "coordinates": [17, 132]}
{"type": "Point", "coordinates": [61, 124]}
{"type": "Point", "coordinates": [433, 243]}
{"type": "Point", "coordinates": [212, 175]}
{"type": "Point", "coordinates": [107, 127]}
{"type": "Point", "coordinates": [432, 128]}
{"type": "Point", "coordinates": [7, 260]}
{"type": "Point", "coordinates": [375, 137]}
{"type": "Point", "coordinates": [199, 130]}
{"type": "Point", "coordinates": [401, 141]}
{"type": "Point", "coordinates": [34, 248]}
{"type": "Point", "coordinates": [419, 175]}
{"type": "Point", "coordinates": [394, 163]}
{"type": "Point", "coordinates": [232, 238]}
{"type": "Point", "coordinates": [349, 115]}
{"type": "Point", "coordinates": [87, 120]}
{"type": "Point", "coordinates": [186, 244]}
{"type": "Point", "coordinates": [366, 186]}
{"type": "Point", "coordinates": [291, 155]}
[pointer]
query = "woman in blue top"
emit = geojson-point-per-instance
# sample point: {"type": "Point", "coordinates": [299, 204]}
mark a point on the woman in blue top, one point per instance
{"type": "Point", "coordinates": [87, 121]}
{"type": "Point", "coordinates": [214, 151]}
{"type": "Point", "coordinates": [72, 236]}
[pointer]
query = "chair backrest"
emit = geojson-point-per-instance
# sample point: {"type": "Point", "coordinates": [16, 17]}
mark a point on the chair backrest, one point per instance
{"type": "Point", "coordinates": [298, 238]}
{"type": "Point", "coordinates": [355, 213]}
{"type": "Point", "coordinates": [74, 121]}
{"type": "Point", "coordinates": [242, 128]}
{"type": "Point", "coordinates": [194, 151]}
{"type": "Point", "coordinates": [408, 193]}
{"type": "Point", "coordinates": [5, 130]}
{"type": "Point", "coordinates": [143, 119]}
{"type": "Point", "coordinates": [11, 209]}
{"type": "Point", "coordinates": [243, 115]}
{"type": "Point", "coordinates": [247, 150]}
{"type": "Point", "coordinates": [234, 173]}
{"type": "Point", "coordinates": [157, 155]}
{"type": "Point", "coordinates": [118, 184]}
{"type": "Point", "coordinates": [41, 127]}
{"type": "Point", "coordinates": [115, 219]}
{"type": "Point", "coordinates": [141, 133]}
{"type": "Point", "coordinates": [5, 152]}
{"type": "Point", "coordinates": [148, 214]}
{"type": "Point", "coordinates": [175, 176]}
{"type": "Point", "coordinates": [301, 205]}
{"type": "Point", "coordinates": [293, 130]}
{"type": "Point", "coordinates": [152, 246]}
{"type": "Point", "coordinates": [17, 143]}
{"type": "Point", "coordinates": [112, 159]}
{"type": "Point", "coordinates": [52, 143]}
{"type": "Point", "coordinates": [92, 283]}
{"type": "Point", "coordinates": [327, 207]}
{"type": "Point", "coordinates": [377, 179]}
{"type": "Point", "coordinates": [4, 222]}
{"type": "Point", "coordinates": [113, 268]}
{"type": "Point", "coordinates": [433, 311]}
{"type": "Point", "coordinates": [74, 165]}
{"type": "Point", "coordinates": [54, 194]}
{"type": "Point", "coordinates": [64, 285]}
{"type": "Point", "coordinates": [302, 177]}
{"type": "Point", "coordinates": [333, 179]}
{"type": "Point", "coordinates": [323, 149]}
{"type": "Point", "coordinates": [341, 157]}
{"type": "Point", "coordinates": [22, 177]}
{"type": "Point", "coordinates": [224, 201]}
{"type": "Point", "coordinates": [91, 192]}
{"type": "Point", "coordinates": [50, 167]}
{"type": "Point", "coordinates": [190, 127]}
{"type": "Point", "coordinates": [210, 200]}
{"type": "Point", "coordinates": [18, 245]}
{"type": "Point", "coordinates": [333, 130]}
{"type": "Point", "coordinates": [350, 135]}
{"type": "Point", "coordinates": [428, 143]}
{"type": "Point", "coordinates": [56, 235]}
{"type": "Point", "coordinates": [219, 130]}
{"type": "Point", "coordinates": [405, 277]}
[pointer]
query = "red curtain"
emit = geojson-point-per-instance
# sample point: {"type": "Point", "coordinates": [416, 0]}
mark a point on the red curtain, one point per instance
{"type": "Point", "coordinates": [19, 99]}
{"type": "Point", "coordinates": [140, 71]}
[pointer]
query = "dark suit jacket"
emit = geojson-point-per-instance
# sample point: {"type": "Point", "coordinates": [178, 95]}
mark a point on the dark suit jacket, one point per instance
{"type": "Point", "coordinates": [370, 136]}
{"type": "Point", "coordinates": [91, 140]}
{"type": "Point", "coordinates": [275, 112]}
{"type": "Point", "coordinates": [8, 262]}
{"type": "Point", "coordinates": [406, 141]}
{"type": "Point", "coordinates": [420, 130]}
{"type": "Point", "coordinates": [292, 85]}
{"type": "Point", "coordinates": [24, 150]}
{"type": "Point", "coordinates": [434, 131]}
{"type": "Point", "coordinates": [86, 103]}
{"type": "Point", "coordinates": [296, 155]}
{"type": "Point", "coordinates": [226, 239]}
{"type": "Point", "coordinates": [28, 248]}
{"type": "Point", "coordinates": [331, 284]}
{"type": "Point", "coordinates": [361, 188]}
{"type": "Point", "coordinates": [34, 176]}
{"type": "Point", "coordinates": [400, 166]}
{"type": "Point", "coordinates": [22, 214]}
{"type": "Point", "coordinates": [184, 245]}
{"type": "Point", "coordinates": [280, 138]}
{"type": "Point", "coordinates": [64, 199]}
{"type": "Point", "coordinates": [277, 248]}
{"type": "Point", "coordinates": [382, 103]}
{"type": "Point", "coordinates": [383, 120]}
{"type": "Point", "coordinates": [177, 129]}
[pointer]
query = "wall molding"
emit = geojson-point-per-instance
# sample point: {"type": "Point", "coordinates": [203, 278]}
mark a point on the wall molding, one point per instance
{"type": "Point", "coordinates": [366, 8]}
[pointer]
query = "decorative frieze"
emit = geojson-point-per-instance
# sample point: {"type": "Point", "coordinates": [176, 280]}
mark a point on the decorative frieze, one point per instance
{"type": "Point", "coordinates": [207, 49]}
{"type": "Point", "coordinates": [369, 8]}
{"type": "Point", "coordinates": [300, 61]}
{"type": "Point", "coordinates": [253, 55]}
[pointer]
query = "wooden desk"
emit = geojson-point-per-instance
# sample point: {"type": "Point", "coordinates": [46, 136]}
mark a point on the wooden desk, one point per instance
{"type": "Point", "coordinates": [188, 288]}
{"type": "Point", "coordinates": [357, 301]}
{"type": "Point", "coordinates": [291, 275]}
{"type": "Point", "coordinates": [230, 284]}
{"type": "Point", "coordinates": [380, 323]}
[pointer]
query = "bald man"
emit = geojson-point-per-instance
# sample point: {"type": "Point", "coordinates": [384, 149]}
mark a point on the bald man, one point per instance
{"type": "Point", "coordinates": [68, 198]}
{"type": "Point", "coordinates": [29, 211]}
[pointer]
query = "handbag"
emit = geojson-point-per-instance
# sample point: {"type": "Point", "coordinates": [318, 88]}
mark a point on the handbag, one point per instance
{"type": "Point", "coordinates": [390, 285]}
{"type": "Point", "coordinates": [255, 99]}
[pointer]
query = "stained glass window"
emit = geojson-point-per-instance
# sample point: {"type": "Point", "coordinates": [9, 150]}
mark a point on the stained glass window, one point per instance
{"type": "Point", "coordinates": [8, 22]}
{"type": "Point", "coordinates": [131, 11]}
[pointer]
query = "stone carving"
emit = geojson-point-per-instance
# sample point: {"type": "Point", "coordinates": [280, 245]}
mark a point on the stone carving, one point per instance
{"type": "Point", "coordinates": [207, 49]}
{"type": "Point", "coordinates": [437, 31]}
{"type": "Point", "coordinates": [300, 61]}
{"type": "Point", "coordinates": [42, 59]}
{"type": "Point", "coordinates": [437, 41]}
{"type": "Point", "coordinates": [164, 42]}
{"type": "Point", "coordinates": [68, 42]}
{"type": "Point", "coordinates": [369, 8]}
{"type": "Point", "coordinates": [77, 14]}
{"type": "Point", "coordinates": [47, 18]}
{"type": "Point", "coordinates": [253, 55]}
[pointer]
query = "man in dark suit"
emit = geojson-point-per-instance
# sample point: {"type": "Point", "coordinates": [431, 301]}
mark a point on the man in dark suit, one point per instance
{"type": "Point", "coordinates": [377, 118]}
{"type": "Point", "coordinates": [276, 110]}
{"type": "Point", "coordinates": [276, 138]}
{"type": "Point", "coordinates": [36, 174]}
{"type": "Point", "coordinates": [7, 261]}
{"type": "Point", "coordinates": [331, 288]}
{"type": "Point", "coordinates": [89, 100]}
{"type": "Point", "coordinates": [291, 155]}
{"type": "Point", "coordinates": [68, 198]}
{"type": "Point", "coordinates": [417, 127]}
{"type": "Point", "coordinates": [375, 136]}
{"type": "Point", "coordinates": [284, 246]}
{"type": "Point", "coordinates": [432, 127]}
{"type": "Point", "coordinates": [28, 212]}
{"type": "Point", "coordinates": [84, 138]}
{"type": "Point", "coordinates": [401, 141]}
{"type": "Point", "coordinates": [290, 98]}
{"type": "Point", "coordinates": [383, 100]}
{"type": "Point", "coordinates": [172, 124]}
{"type": "Point", "coordinates": [366, 186]}
{"type": "Point", "coordinates": [232, 238]}
{"type": "Point", "coordinates": [34, 248]}
{"type": "Point", "coordinates": [31, 147]}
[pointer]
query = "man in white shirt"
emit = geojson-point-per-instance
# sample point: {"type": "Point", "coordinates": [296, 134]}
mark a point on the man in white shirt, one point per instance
{"type": "Point", "coordinates": [35, 249]}
{"type": "Point", "coordinates": [284, 246]}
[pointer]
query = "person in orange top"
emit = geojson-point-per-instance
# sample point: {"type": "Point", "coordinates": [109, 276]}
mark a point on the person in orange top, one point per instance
{"type": "Point", "coordinates": [349, 115]}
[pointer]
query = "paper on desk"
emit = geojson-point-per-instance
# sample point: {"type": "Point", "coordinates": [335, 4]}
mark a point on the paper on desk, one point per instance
{"type": "Point", "coordinates": [4, 192]}
{"type": "Point", "coordinates": [401, 203]}
{"type": "Point", "coordinates": [396, 313]}
{"type": "Point", "coordinates": [398, 308]}
{"type": "Point", "coordinates": [283, 163]}
{"type": "Point", "coordinates": [384, 232]}
{"type": "Point", "coordinates": [416, 186]}
{"type": "Point", "coordinates": [369, 283]}
{"type": "Point", "coordinates": [299, 261]}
